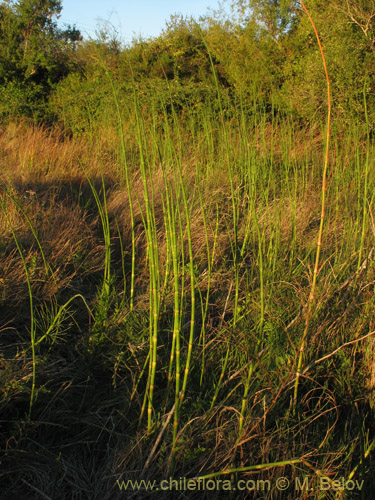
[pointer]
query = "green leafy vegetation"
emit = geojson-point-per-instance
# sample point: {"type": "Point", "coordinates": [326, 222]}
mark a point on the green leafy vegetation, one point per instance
{"type": "Point", "coordinates": [34, 55]}
{"type": "Point", "coordinates": [187, 254]}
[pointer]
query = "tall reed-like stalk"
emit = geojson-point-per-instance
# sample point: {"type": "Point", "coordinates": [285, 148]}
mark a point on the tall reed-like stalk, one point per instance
{"type": "Point", "coordinates": [103, 214]}
{"type": "Point", "coordinates": [47, 267]}
{"type": "Point", "coordinates": [365, 188]}
{"type": "Point", "coordinates": [181, 385]}
{"type": "Point", "coordinates": [153, 260]}
{"type": "Point", "coordinates": [125, 170]}
{"type": "Point", "coordinates": [234, 198]}
{"type": "Point", "coordinates": [210, 263]}
{"type": "Point", "coordinates": [311, 300]}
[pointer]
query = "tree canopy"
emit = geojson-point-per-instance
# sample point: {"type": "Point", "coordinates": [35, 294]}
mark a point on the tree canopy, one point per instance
{"type": "Point", "coordinates": [35, 53]}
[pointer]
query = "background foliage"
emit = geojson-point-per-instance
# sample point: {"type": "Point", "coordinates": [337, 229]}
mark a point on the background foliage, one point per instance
{"type": "Point", "coordinates": [262, 53]}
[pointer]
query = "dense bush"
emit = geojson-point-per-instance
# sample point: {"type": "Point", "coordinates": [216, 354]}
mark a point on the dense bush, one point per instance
{"type": "Point", "coordinates": [264, 53]}
{"type": "Point", "coordinates": [34, 55]}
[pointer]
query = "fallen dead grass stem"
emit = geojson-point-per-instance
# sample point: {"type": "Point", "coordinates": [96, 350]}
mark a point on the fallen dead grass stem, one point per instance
{"type": "Point", "coordinates": [327, 356]}
{"type": "Point", "coordinates": [249, 468]}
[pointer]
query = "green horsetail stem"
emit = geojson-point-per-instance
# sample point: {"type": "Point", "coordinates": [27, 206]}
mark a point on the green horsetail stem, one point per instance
{"type": "Point", "coordinates": [151, 239]}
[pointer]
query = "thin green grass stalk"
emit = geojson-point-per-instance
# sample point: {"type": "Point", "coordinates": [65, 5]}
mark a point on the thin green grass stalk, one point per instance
{"type": "Point", "coordinates": [192, 298]}
{"type": "Point", "coordinates": [175, 349]}
{"type": "Point", "coordinates": [210, 262]}
{"type": "Point", "coordinates": [244, 399]}
{"type": "Point", "coordinates": [358, 181]}
{"type": "Point", "coordinates": [221, 378]}
{"type": "Point", "coordinates": [103, 214]}
{"type": "Point", "coordinates": [323, 205]}
{"type": "Point", "coordinates": [234, 199]}
{"type": "Point", "coordinates": [209, 143]}
{"type": "Point", "coordinates": [173, 249]}
{"type": "Point", "coordinates": [32, 318]}
{"type": "Point", "coordinates": [128, 185]}
{"type": "Point", "coordinates": [365, 455]}
{"type": "Point", "coordinates": [178, 369]}
{"type": "Point", "coordinates": [107, 240]}
{"type": "Point", "coordinates": [338, 214]}
{"type": "Point", "coordinates": [151, 337]}
{"type": "Point", "coordinates": [48, 271]}
{"type": "Point", "coordinates": [47, 267]}
{"type": "Point", "coordinates": [173, 244]}
{"type": "Point", "coordinates": [122, 260]}
{"type": "Point", "coordinates": [250, 468]}
{"type": "Point", "coordinates": [61, 310]}
{"type": "Point", "coordinates": [261, 276]}
{"type": "Point", "coordinates": [146, 363]}
{"type": "Point", "coordinates": [251, 187]}
{"type": "Point", "coordinates": [292, 183]}
{"type": "Point", "coordinates": [244, 138]}
{"type": "Point", "coordinates": [168, 262]}
{"type": "Point", "coordinates": [260, 240]}
{"type": "Point", "coordinates": [366, 179]}
{"type": "Point", "coordinates": [165, 198]}
{"type": "Point", "coordinates": [276, 241]}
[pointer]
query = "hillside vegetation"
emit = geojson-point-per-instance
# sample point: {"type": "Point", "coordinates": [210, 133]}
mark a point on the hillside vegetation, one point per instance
{"type": "Point", "coordinates": [187, 255]}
